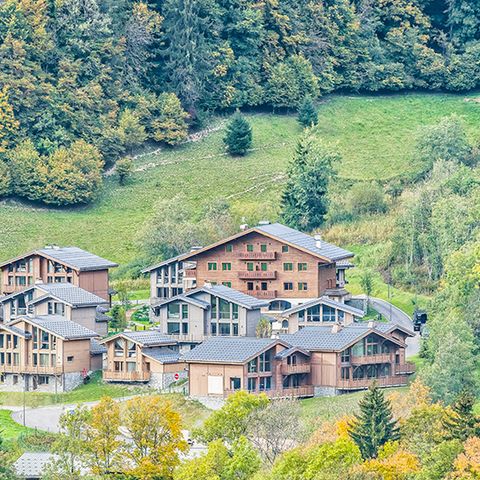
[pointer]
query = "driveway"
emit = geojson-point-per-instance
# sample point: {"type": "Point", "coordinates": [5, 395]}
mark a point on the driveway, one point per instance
{"type": "Point", "coordinates": [394, 315]}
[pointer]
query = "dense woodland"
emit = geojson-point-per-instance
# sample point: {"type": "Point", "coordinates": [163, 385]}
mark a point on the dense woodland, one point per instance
{"type": "Point", "coordinates": [83, 82]}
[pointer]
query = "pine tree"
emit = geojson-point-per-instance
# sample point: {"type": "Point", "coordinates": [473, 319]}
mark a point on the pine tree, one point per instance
{"type": "Point", "coordinates": [238, 137]}
{"type": "Point", "coordinates": [305, 198]}
{"type": "Point", "coordinates": [461, 423]}
{"type": "Point", "coordinates": [374, 425]}
{"type": "Point", "coordinates": [307, 113]}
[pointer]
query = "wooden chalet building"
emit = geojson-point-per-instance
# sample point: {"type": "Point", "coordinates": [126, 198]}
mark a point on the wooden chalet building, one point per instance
{"type": "Point", "coordinates": [46, 353]}
{"type": "Point", "coordinates": [54, 264]}
{"type": "Point", "coordinates": [143, 356]}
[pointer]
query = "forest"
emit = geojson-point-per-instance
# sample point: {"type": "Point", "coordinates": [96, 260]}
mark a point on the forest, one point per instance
{"type": "Point", "coordinates": [84, 82]}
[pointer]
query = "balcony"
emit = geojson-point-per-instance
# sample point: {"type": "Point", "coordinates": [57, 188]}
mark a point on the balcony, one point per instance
{"type": "Point", "coordinates": [257, 275]}
{"type": "Point", "coordinates": [362, 383]}
{"type": "Point", "coordinates": [297, 392]}
{"type": "Point", "coordinates": [113, 376]}
{"type": "Point", "coordinates": [405, 369]}
{"type": "Point", "coordinates": [190, 273]}
{"type": "Point", "coordinates": [369, 359]}
{"type": "Point", "coordinates": [292, 369]}
{"type": "Point", "coordinates": [264, 294]}
{"type": "Point", "coordinates": [256, 255]}
{"type": "Point", "coordinates": [183, 337]}
{"type": "Point", "coordinates": [30, 369]}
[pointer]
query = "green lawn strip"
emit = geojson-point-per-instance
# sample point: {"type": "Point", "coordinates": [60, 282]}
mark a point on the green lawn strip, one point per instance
{"type": "Point", "coordinates": [9, 429]}
{"type": "Point", "coordinates": [375, 135]}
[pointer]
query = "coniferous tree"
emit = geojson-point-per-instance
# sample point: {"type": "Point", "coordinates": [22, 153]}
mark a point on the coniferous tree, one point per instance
{"type": "Point", "coordinates": [238, 137]}
{"type": "Point", "coordinates": [461, 422]}
{"type": "Point", "coordinates": [307, 113]}
{"type": "Point", "coordinates": [374, 425]}
{"type": "Point", "coordinates": [305, 199]}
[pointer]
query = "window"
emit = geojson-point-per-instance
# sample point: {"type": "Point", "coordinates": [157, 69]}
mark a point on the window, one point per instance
{"type": "Point", "coordinates": [341, 315]}
{"type": "Point", "coordinates": [302, 286]}
{"type": "Point", "coordinates": [235, 383]}
{"type": "Point", "coordinates": [252, 384]}
{"type": "Point", "coordinates": [302, 267]}
{"type": "Point", "coordinates": [284, 248]}
{"type": "Point", "coordinates": [328, 314]}
{"type": "Point", "coordinates": [371, 345]}
{"type": "Point", "coordinates": [264, 286]}
{"type": "Point", "coordinates": [131, 349]}
{"type": "Point", "coordinates": [45, 341]}
{"type": "Point", "coordinates": [224, 329]}
{"type": "Point", "coordinates": [345, 357]}
{"type": "Point", "coordinates": [249, 286]}
{"type": "Point", "coordinates": [265, 383]}
{"type": "Point", "coordinates": [250, 266]}
{"type": "Point", "coordinates": [15, 379]}
{"type": "Point", "coordinates": [44, 360]}
{"type": "Point", "coordinates": [263, 266]}
{"type": "Point", "coordinates": [185, 328]}
{"type": "Point", "coordinates": [229, 248]}
{"type": "Point", "coordinates": [288, 286]}
{"type": "Point", "coordinates": [212, 266]}
{"type": "Point", "coordinates": [227, 284]}
{"type": "Point", "coordinates": [131, 366]}
{"type": "Point", "coordinates": [20, 280]}
{"type": "Point", "coordinates": [249, 248]}
{"type": "Point", "coordinates": [345, 372]}
{"type": "Point", "coordinates": [263, 247]}
{"type": "Point", "coordinates": [313, 313]}
{"type": "Point", "coordinates": [213, 328]}
{"type": "Point", "coordinates": [173, 310]}
{"type": "Point", "coordinates": [56, 308]}
{"type": "Point", "coordinates": [224, 308]}
{"type": "Point", "coordinates": [235, 311]}
{"type": "Point", "coordinates": [173, 328]}
{"type": "Point", "coordinates": [119, 346]}
{"type": "Point", "coordinates": [213, 307]}
{"type": "Point", "coordinates": [235, 329]}
{"type": "Point", "coordinates": [264, 362]}
{"type": "Point", "coordinates": [226, 266]}
{"type": "Point", "coordinates": [288, 267]}
{"type": "Point", "coordinates": [252, 366]}
{"type": "Point", "coordinates": [184, 311]}
{"type": "Point", "coordinates": [70, 358]}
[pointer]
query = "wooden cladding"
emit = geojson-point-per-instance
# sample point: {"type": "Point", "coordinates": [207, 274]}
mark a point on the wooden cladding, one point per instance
{"type": "Point", "coordinates": [256, 255]}
{"type": "Point", "coordinates": [257, 275]}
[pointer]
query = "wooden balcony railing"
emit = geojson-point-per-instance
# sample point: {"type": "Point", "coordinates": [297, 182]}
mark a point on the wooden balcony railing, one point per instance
{"type": "Point", "coordinates": [30, 369]}
{"type": "Point", "coordinates": [183, 337]}
{"type": "Point", "coordinates": [257, 275]}
{"type": "Point", "coordinates": [299, 368]}
{"type": "Point", "coordinates": [358, 384]}
{"type": "Point", "coordinates": [296, 392]}
{"type": "Point", "coordinates": [110, 375]}
{"type": "Point", "coordinates": [190, 273]}
{"type": "Point", "coordinates": [262, 293]}
{"type": "Point", "coordinates": [406, 368]}
{"type": "Point", "coordinates": [369, 359]}
{"type": "Point", "coordinates": [256, 255]}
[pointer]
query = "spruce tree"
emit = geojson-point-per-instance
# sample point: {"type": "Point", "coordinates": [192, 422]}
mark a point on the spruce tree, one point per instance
{"type": "Point", "coordinates": [238, 137]}
{"type": "Point", "coordinates": [307, 113]}
{"type": "Point", "coordinates": [461, 423]}
{"type": "Point", "coordinates": [374, 425]}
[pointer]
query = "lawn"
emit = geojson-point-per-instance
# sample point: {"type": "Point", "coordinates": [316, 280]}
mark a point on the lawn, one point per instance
{"type": "Point", "coordinates": [375, 135]}
{"type": "Point", "coordinates": [9, 429]}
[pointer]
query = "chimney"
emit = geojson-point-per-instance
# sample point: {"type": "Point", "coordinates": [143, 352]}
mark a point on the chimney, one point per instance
{"type": "Point", "coordinates": [195, 248]}
{"type": "Point", "coordinates": [243, 227]}
{"type": "Point", "coordinates": [38, 281]}
{"type": "Point", "coordinates": [318, 240]}
{"type": "Point", "coordinates": [371, 324]}
{"type": "Point", "coordinates": [336, 327]}
{"type": "Point", "coordinates": [264, 222]}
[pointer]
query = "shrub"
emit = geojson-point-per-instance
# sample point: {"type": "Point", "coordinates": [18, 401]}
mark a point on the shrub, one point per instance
{"type": "Point", "coordinates": [366, 198]}
{"type": "Point", "coordinates": [170, 125]}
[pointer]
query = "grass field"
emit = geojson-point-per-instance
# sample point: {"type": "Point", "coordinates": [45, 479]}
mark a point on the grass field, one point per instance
{"type": "Point", "coordinates": [9, 429]}
{"type": "Point", "coordinates": [374, 134]}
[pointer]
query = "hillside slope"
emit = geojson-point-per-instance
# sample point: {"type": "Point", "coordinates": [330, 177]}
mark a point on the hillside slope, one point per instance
{"type": "Point", "coordinates": [374, 134]}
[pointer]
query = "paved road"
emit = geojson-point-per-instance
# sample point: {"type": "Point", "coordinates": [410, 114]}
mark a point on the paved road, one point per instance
{"type": "Point", "coordinates": [395, 315]}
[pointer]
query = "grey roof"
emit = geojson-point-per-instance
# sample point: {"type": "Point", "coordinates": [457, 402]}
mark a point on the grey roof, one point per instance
{"type": "Point", "coordinates": [231, 295]}
{"type": "Point", "coordinates": [184, 298]}
{"type": "Point", "coordinates": [59, 326]}
{"type": "Point", "coordinates": [389, 327]}
{"type": "Point", "coordinates": [345, 263]}
{"type": "Point", "coordinates": [325, 301]}
{"type": "Point", "coordinates": [162, 354]}
{"type": "Point", "coordinates": [288, 351]}
{"type": "Point", "coordinates": [15, 330]}
{"type": "Point", "coordinates": [304, 241]}
{"type": "Point", "coordinates": [68, 293]}
{"type": "Point", "coordinates": [96, 348]}
{"type": "Point", "coordinates": [77, 258]}
{"type": "Point", "coordinates": [33, 464]}
{"type": "Point", "coordinates": [322, 338]}
{"type": "Point", "coordinates": [161, 264]}
{"type": "Point", "coordinates": [229, 349]}
{"type": "Point", "coordinates": [148, 338]}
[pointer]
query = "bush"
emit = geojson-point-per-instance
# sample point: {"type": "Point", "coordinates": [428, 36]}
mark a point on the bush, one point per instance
{"type": "Point", "coordinates": [170, 124]}
{"type": "Point", "coordinates": [364, 198]}
{"type": "Point", "coordinates": [5, 179]}
{"type": "Point", "coordinates": [124, 168]}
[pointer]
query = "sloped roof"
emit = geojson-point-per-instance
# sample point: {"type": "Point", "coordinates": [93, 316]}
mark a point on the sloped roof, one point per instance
{"type": "Point", "coordinates": [59, 326]}
{"type": "Point", "coordinates": [96, 348]}
{"type": "Point", "coordinates": [184, 298]}
{"type": "Point", "coordinates": [68, 293]}
{"type": "Point", "coordinates": [289, 351]}
{"type": "Point", "coordinates": [162, 354]}
{"type": "Point", "coordinates": [322, 338]}
{"type": "Point", "coordinates": [247, 301]}
{"type": "Point", "coordinates": [289, 236]}
{"type": "Point", "coordinates": [73, 257]}
{"type": "Point", "coordinates": [145, 338]}
{"type": "Point", "coordinates": [161, 264]}
{"type": "Point", "coordinates": [15, 330]}
{"type": "Point", "coordinates": [324, 301]}
{"type": "Point", "coordinates": [229, 349]}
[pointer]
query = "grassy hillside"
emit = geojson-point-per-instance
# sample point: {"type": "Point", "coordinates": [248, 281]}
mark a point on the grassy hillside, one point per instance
{"type": "Point", "coordinates": [374, 134]}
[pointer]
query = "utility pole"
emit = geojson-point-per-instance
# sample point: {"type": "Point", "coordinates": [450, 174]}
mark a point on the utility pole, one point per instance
{"type": "Point", "coordinates": [24, 397]}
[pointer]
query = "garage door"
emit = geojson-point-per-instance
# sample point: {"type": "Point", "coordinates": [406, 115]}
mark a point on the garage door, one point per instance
{"type": "Point", "coordinates": [215, 384]}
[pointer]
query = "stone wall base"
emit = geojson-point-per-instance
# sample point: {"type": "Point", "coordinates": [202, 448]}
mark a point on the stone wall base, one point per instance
{"type": "Point", "coordinates": [325, 392]}
{"type": "Point", "coordinates": [31, 382]}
